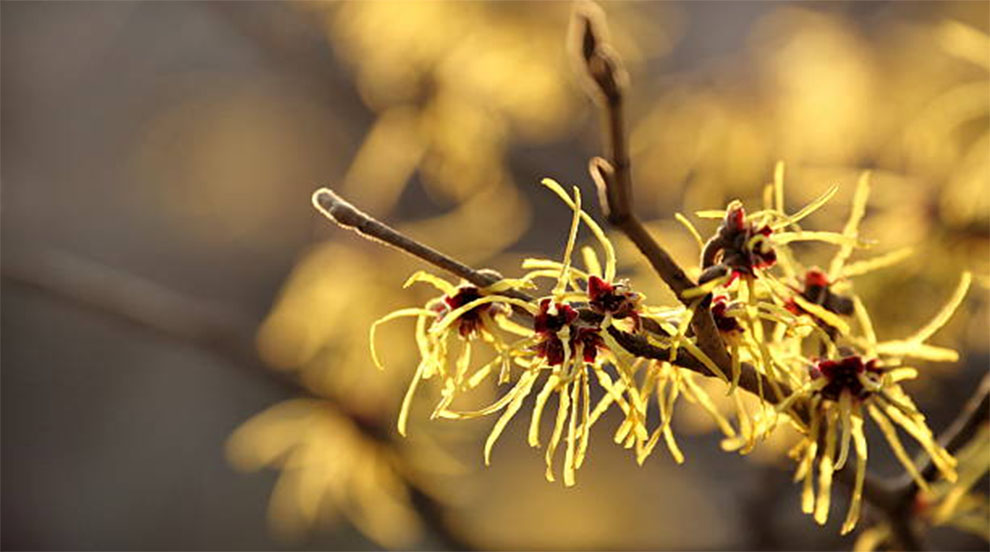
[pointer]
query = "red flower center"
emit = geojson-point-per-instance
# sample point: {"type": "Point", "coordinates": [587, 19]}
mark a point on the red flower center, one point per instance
{"type": "Point", "coordinates": [843, 375]}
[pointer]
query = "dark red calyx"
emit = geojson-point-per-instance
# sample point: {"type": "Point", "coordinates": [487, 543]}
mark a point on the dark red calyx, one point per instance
{"type": "Point", "coordinates": [815, 278]}
{"type": "Point", "coordinates": [737, 250]}
{"type": "Point", "coordinates": [551, 348]}
{"type": "Point", "coordinates": [843, 375]}
{"type": "Point", "coordinates": [551, 320]}
{"type": "Point", "coordinates": [817, 289]}
{"type": "Point", "coordinates": [470, 321]}
{"type": "Point", "coordinates": [725, 323]}
{"type": "Point", "coordinates": [590, 342]}
{"type": "Point", "coordinates": [735, 218]}
{"type": "Point", "coordinates": [616, 299]}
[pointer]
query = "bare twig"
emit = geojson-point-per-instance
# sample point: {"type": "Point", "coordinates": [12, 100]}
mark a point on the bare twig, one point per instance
{"type": "Point", "coordinates": [613, 178]}
{"type": "Point", "coordinates": [350, 217]}
{"type": "Point", "coordinates": [229, 336]}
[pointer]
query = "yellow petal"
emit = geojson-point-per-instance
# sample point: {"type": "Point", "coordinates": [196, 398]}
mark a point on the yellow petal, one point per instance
{"type": "Point", "coordinates": [444, 286]}
{"type": "Point", "coordinates": [947, 311]}
{"type": "Point", "coordinates": [407, 399]}
{"type": "Point", "coordinates": [807, 209]}
{"type": "Point", "coordinates": [866, 266]}
{"type": "Point", "coordinates": [824, 314]}
{"type": "Point", "coordinates": [778, 186]}
{"type": "Point", "coordinates": [826, 468]}
{"type": "Point", "coordinates": [541, 401]}
{"type": "Point", "coordinates": [691, 229]}
{"type": "Point", "coordinates": [591, 263]}
{"type": "Point", "coordinates": [809, 235]}
{"type": "Point", "coordinates": [856, 213]}
{"type": "Point", "coordinates": [845, 417]}
{"type": "Point", "coordinates": [569, 462]}
{"type": "Point", "coordinates": [563, 405]}
{"type": "Point", "coordinates": [855, 503]}
{"type": "Point", "coordinates": [387, 318]}
{"type": "Point", "coordinates": [592, 225]}
{"type": "Point", "coordinates": [525, 385]}
{"type": "Point", "coordinates": [895, 444]}
{"type": "Point", "coordinates": [871, 539]}
{"type": "Point", "coordinates": [914, 349]}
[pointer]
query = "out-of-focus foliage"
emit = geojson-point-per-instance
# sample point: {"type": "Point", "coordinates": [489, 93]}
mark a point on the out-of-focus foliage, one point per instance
{"type": "Point", "coordinates": [454, 87]}
{"type": "Point", "coordinates": [329, 467]}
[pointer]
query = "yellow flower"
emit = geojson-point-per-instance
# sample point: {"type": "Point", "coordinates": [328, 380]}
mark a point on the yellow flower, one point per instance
{"type": "Point", "coordinates": [566, 343]}
{"type": "Point", "coordinates": [464, 314]}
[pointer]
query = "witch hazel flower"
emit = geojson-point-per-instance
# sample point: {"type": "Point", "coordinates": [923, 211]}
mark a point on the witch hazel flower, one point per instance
{"type": "Point", "coordinates": [817, 294]}
{"type": "Point", "coordinates": [559, 336]}
{"type": "Point", "coordinates": [471, 314]}
{"type": "Point", "coordinates": [472, 321]}
{"type": "Point", "coordinates": [839, 391]}
{"type": "Point", "coordinates": [615, 300]}
{"type": "Point", "coordinates": [738, 248]}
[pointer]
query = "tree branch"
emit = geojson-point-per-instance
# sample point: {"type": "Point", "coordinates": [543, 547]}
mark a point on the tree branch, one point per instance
{"type": "Point", "coordinates": [350, 217]}
{"type": "Point", "coordinates": [613, 178]}
{"type": "Point", "coordinates": [229, 336]}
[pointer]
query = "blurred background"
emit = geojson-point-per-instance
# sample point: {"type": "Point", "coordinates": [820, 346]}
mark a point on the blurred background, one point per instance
{"type": "Point", "coordinates": [177, 319]}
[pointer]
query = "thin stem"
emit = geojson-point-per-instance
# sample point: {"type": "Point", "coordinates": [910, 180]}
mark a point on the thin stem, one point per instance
{"type": "Point", "coordinates": [750, 379]}
{"type": "Point", "coordinates": [613, 178]}
{"type": "Point", "coordinates": [350, 217]}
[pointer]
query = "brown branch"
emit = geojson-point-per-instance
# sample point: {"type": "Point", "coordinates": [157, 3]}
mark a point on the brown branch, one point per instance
{"type": "Point", "coordinates": [613, 178]}
{"type": "Point", "coordinates": [350, 217]}
{"type": "Point", "coordinates": [342, 212]}
{"type": "Point", "coordinates": [190, 321]}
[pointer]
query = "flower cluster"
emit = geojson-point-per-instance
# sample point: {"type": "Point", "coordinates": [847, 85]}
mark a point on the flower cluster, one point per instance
{"type": "Point", "coordinates": [802, 335]}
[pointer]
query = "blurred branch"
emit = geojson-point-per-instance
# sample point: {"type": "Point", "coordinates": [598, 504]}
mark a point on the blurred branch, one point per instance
{"type": "Point", "coordinates": [191, 321]}
{"type": "Point", "coordinates": [903, 495]}
{"type": "Point", "coordinates": [975, 413]}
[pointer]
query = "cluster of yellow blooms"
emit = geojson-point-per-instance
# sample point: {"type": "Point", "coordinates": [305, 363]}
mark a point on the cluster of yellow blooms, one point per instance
{"type": "Point", "coordinates": [802, 330]}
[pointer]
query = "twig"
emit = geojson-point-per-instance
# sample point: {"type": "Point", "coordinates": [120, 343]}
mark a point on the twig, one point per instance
{"type": "Point", "coordinates": [171, 315]}
{"type": "Point", "coordinates": [350, 217]}
{"type": "Point", "coordinates": [613, 178]}
{"type": "Point", "coordinates": [342, 212]}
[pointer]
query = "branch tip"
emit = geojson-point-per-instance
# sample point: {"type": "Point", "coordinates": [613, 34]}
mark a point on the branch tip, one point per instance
{"type": "Point", "coordinates": [336, 208]}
